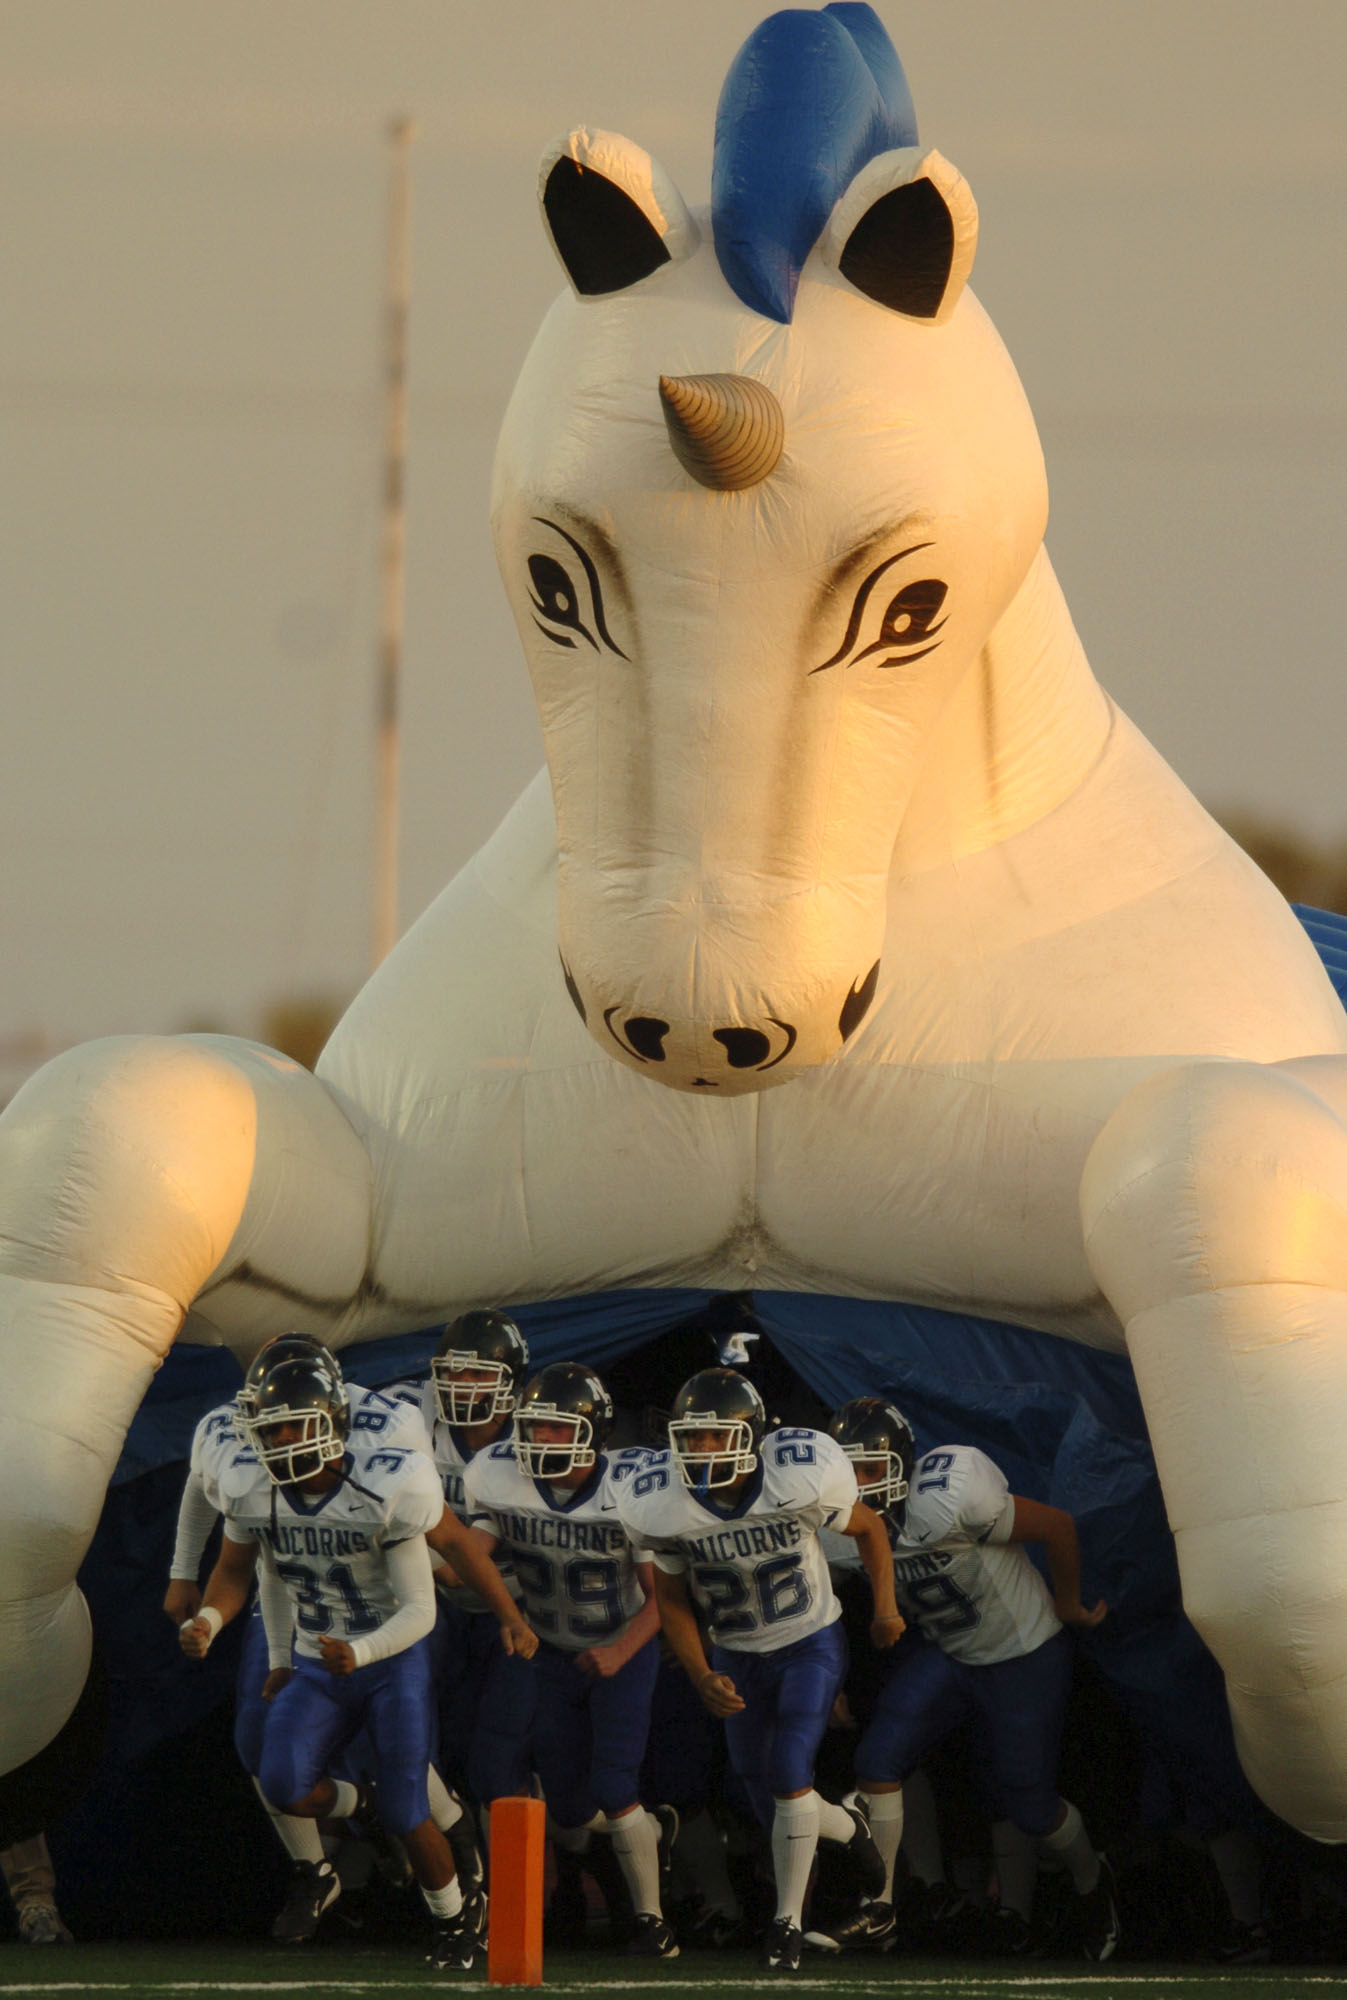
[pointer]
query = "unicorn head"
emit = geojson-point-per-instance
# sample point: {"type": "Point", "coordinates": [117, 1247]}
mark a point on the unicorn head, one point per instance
{"type": "Point", "coordinates": [766, 484]}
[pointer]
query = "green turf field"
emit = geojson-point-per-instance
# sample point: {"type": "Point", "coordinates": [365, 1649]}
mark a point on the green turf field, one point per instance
{"type": "Point", "coordinates": [131, 1971]}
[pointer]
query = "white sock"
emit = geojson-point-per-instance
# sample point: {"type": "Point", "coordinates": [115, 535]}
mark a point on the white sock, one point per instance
{"type": "Point", "coordinates": [571, 1839]}
{"type": "Point", "coordinates": [1016, 1856]}
{"type": "Point", "coordinates": [444, 1903]}
{"type": "Point", "coordinates": [885, 1811]}
{"type": "Point", "coordinates": [346, 1801]}
{"type": "Point", "coordinates": [635, 1838]}
{"type": "Point", "coordinates": [700, 1848]}
{"type": "Point", "coordinates": [1071, 1844]}
{"type": "Point", "coordinates": [299, 1837]}
{"type": "Point", "coordinates": [794, 1842]}
{"type": "Point", "coordinates": [834, 1822]}
{"type": "Point", "coordinates": [446, 1809]}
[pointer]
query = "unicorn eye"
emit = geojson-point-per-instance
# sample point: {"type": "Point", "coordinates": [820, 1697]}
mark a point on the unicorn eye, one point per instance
{"type": "Point", "coordinates": [908, 628]}
{"type": "Point", "coordinates": [908, 620]}
{"type": "Point", "coordinates": [556, 601]}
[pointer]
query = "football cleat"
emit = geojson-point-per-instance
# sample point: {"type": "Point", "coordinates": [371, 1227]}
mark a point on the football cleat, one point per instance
{"type": "Point", "coordinates": [782, 1946]}
{"type": "Point", "coordinates": [1099, 1927]}
{"type": "Point", "coordinates": [870, 1926]}
{"type": "Point", "coordinates": [704, 1928]}
{"type": "Point", "coordinates": [652, 1938]}
{"type": "Point", "coordinates": [40, 1923]}
{"type": "Point", "coordinates": [454, 1944]}
{"type": "Point", "coordinates": [1008, 1935]}
{"type": "Point", "coordinates": [314, 1887]}
{"type": "Point", "coordinates": [867, 1863]}
{"type": "Point", "coordinates": [476, 1912]}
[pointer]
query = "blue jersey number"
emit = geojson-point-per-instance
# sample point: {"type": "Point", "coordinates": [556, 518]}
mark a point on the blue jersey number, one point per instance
{"type": "Point", "coordinates": [793, 1448]}
{"type": "Point", "coordinates": [941, 1606]}
{"type": "Point", "coordinates": [592, 1584]}
{"type": "Point", "coordinates": [934, 1470]}
{"type": "Point", "coordinates": [312, 1614]}
{"type": "Point", "coordinates": [780, 1586]}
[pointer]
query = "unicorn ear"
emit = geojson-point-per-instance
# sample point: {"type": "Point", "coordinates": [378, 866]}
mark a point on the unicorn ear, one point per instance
{"type": "Point", "coordinates": [904, 233]}
{"type": "Point", "coordinates": [612, 212]}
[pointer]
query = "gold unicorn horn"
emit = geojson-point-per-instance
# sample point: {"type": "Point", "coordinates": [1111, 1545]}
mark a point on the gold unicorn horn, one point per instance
{"type": "Point", "coordinates": [726, 430]}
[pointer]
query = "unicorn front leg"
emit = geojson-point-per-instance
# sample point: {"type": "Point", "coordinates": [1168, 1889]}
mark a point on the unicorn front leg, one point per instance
{"type": "Point", "coordinates": [1214, 1205]}
{"type": "Point", "coordinates": [132, 1171]}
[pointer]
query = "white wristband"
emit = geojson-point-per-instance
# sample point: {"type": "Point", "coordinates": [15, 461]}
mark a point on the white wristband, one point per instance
{"type": "Point", "coordinates": [208, 1615]}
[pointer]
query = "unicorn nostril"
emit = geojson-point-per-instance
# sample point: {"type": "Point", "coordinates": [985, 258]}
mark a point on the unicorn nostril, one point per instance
{"type": "Point", "coordinates": [646, 1036]}
{"type": "Point", "coordinates": [745, 1047]}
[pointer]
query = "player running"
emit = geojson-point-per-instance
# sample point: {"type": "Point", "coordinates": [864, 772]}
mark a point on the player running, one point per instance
{"type": "Point", "coordinates": [485, 1698]}
{"type": "Point", "coordinates": [732, 1516]}
{"type": "Point", "coordinates": [343, 1521]}
{"type": "Point", "coordinates": [989, 1647]}
{"type": "Point", "coordinates": [548, 1499]}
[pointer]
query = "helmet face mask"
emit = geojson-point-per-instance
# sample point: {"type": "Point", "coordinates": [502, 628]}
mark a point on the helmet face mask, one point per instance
{"type": "Point", "coordinates": [298, 1418]}
{"type": "Point", "coordinates": [878, 1440]}
{"type": "Point", "coordinates": [562, 1398]}
{"type": "Point", "coordinates": [731, 1458]}
{"type": "Point", "coordinates": [478, 1368]}
{"type": "Point", "coordinates": [715, 1429]}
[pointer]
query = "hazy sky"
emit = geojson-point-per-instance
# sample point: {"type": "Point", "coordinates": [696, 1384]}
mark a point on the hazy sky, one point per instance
{"type": "Point", "coordinates": [192, 208]}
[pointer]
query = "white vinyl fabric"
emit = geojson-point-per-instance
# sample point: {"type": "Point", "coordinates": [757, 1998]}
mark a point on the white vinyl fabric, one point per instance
{"type": "Point", "coordinates": [835, 719]}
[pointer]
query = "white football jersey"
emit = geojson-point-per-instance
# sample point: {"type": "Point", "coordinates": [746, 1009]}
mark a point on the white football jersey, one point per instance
{"type": "Point", "coordinates": [329, 1551]}
{"type": "Point", "coordinates": [574, 1564]}
{"type": "Point", "coordinates": [956, 1572]}
{"type": "Point", "coordinates": [755, 1563]}
{"type": "Point", "coordinates": [451, 1454]}
{"type": "Point", "coordinates": [224, 1462]}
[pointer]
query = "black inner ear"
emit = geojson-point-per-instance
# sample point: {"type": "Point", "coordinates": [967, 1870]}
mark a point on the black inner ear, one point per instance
{"type": "Point", "coordinates": [901, 250]}
{"type": "Point", "coordinates": [605, 241]}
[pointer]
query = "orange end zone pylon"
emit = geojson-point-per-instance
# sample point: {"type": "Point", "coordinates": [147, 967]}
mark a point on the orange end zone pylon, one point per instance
{"type": "Point", "coordinates": [514, 1949]}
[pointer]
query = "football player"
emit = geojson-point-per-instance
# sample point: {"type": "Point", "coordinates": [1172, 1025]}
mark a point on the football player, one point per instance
{"type": "Point", "coordinates": [486, 1699]}
{"type": "Point", "coordinates": [220, 1458]}
{"type": "Point", "coordinates": [732, 1516]}
{"type": "Point", "coordinates": [343, 1521]}
{"type": "Point", "coordinates": [547, 1498]}
{"type": "Point", "coordinates": [989, 1645]}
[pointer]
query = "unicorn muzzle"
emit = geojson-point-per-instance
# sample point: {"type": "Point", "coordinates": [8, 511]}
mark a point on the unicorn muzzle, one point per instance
{"type": "Point", "coordinates": [721, 1053]}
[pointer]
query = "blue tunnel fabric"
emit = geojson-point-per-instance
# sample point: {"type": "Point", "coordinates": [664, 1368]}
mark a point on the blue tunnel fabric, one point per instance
{"type": "Point", "coordinates": [1063, 1421]}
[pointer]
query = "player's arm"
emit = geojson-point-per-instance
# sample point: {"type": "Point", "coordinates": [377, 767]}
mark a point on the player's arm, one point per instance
{"type": "Point", "coordinates": [409, 1578]}
{"type": "Point", "coordinates": [867, 1531]}
{"type": "Point", "coordinates": [226, 1593]}
{"type": "Point", "coordinates": [467, 1554]}
{"type": "Point", "coordinates": [196, 1518]}
{"type": "Point", "coordinates": [1054, 1528]}
{"type": "Point", "coordinates": [679, 1624]}
{"type": "Point", "coordinates": [605, 1661]}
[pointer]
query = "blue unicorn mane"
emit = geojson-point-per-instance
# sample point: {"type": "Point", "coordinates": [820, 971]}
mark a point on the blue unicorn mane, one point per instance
{"type": "Point", "coordinates": [810, 98]}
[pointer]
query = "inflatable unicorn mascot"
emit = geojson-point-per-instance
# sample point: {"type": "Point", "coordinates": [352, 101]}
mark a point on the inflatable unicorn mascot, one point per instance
{"type": "Point", "coordinates": [852, 943]}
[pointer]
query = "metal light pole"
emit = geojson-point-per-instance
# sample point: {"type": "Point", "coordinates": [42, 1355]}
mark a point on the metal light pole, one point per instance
{"type": "Point", "coordinates": [393, 566]}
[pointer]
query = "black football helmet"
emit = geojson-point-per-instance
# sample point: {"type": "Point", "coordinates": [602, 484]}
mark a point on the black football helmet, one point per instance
{"type": "Point", "coordinates": [280, 1347]}
{"type": "Point", "coordinates": [489, 1347]}
{"type": "Point", "coordinates": [722, 1405]}
{"type": "Point", "coordinates": [564, 1393]}
{"type": "Point", "coordinates": [305, 1390]}
{"type": "Point", "coordinates": [878, 1440]}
